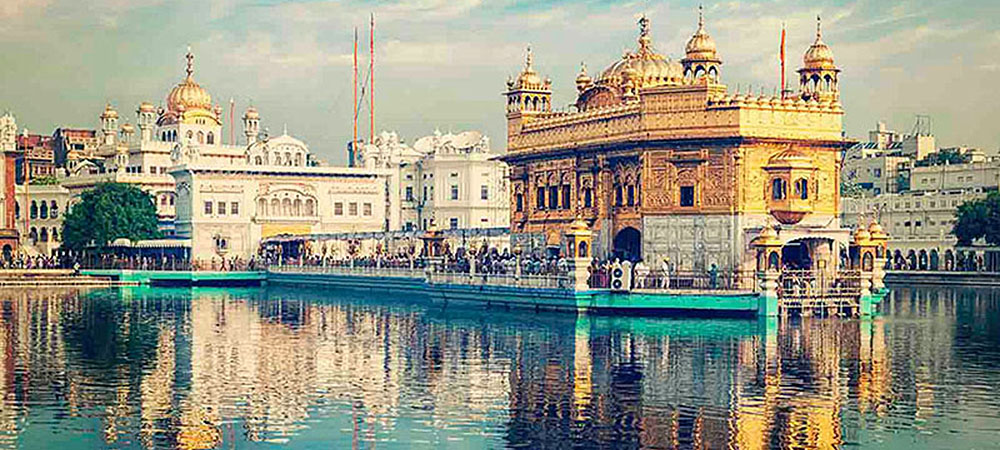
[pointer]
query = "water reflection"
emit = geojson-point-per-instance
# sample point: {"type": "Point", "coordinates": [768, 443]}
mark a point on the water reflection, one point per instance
{"type": "Point", "coordinates": [140, 368]}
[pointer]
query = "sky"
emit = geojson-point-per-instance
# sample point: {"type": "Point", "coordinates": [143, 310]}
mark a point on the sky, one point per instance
{"type": "Point", "coordinates": [443, 64]}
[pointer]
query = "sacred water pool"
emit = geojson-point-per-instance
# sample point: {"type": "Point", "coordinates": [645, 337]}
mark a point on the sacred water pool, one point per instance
{"type": "Point", "coordinates": [304, 368]}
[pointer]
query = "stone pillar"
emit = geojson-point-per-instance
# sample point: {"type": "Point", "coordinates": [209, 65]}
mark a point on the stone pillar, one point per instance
{"type": "Point", "coordinates": [579, 245]}
{"type": "Point", "coordinates": [768, 247]}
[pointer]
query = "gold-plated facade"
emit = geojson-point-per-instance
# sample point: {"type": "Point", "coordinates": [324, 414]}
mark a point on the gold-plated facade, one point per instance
{"type": "Point", "coordinates": [661, 146]}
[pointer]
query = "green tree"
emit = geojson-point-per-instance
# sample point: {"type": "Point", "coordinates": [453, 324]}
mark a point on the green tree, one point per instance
{"type": "Point", "coordinates": [977, 219]}
{"type": "Point", "coordinates": [110, 211]}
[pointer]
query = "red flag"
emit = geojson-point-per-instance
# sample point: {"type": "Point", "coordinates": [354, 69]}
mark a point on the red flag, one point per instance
{"type": "Point", "coordinates": [782, 60]}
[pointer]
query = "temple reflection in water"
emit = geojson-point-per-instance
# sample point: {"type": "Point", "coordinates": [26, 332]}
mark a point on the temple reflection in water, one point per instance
{"type": "Point", "coordinates": [158, 368]}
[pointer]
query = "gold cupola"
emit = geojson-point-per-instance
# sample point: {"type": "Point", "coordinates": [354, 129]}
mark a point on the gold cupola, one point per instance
{"type": "Point", "coordinates": [644, 67]}
{"type": "Point", "coordinates": [529, 92]}
{"type": "Point", "coordinates": [818, 55]}
{"type": "Point", "coordinates": [583, 80]}
{"type": "Point", "coordinates": [188, 102]}
{"type": "Point", "coordinates": [701, 59]}
{"type": "Point", "coordinates": [819, 77]}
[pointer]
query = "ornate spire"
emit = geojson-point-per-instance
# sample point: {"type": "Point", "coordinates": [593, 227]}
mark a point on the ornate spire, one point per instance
{"type": "Point", "coordinates": [643, 34]}
{"type": "Point", "coordinates": [701, 19]}
{"type": "Point", "coordinates": [819, 29]}
{"type": "Point", "coordinates": [190, 62]}
{"type": "Point", "coordinates": [528, 60]}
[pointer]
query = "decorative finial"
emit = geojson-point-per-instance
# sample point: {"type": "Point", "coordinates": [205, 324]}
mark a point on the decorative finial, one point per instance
{"type": "Point", "coordinates": [643, 34]}
{"type": "Point", "coordinates": [190, 62]}
{"type": "Point", "coordinates": [701, 18]}
{"type": "Point", "coordinates": [583, 67]}
{"type": "Point", "coordinates": [286, 130]}
{"type": "Point", "coordinates": [819, 29]}
{"type": "Point", "coordinates": [528, 59]}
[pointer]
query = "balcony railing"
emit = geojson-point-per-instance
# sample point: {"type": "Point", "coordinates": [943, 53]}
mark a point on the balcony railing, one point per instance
{"type": "Point", "coordinates": [506, 280]}
{"type": "Point", "coordinates": [390, 272]}
{"type": "Point", "coordinates": [808, 288]}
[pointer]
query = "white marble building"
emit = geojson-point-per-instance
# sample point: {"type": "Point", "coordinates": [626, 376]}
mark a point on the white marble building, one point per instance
{"type": "Point", "coordinates": [143, 154]}
{"type": "Point", "coordinates": [451, 180]}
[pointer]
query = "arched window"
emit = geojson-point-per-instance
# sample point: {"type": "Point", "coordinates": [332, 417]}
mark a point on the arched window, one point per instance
{"type": "Point", "coordinates": [275, 207]}
{"type": "Point", "coordinates": [772, 261]}
{"type": "Point", "coordinates": [519, 203]}
{"type": "Point", "coordinates": [17, 210]}
{"type": "Point", "coordinates": [778, 189]}
{"type": "Point", "coordinates": [211, 138]}
{"type": "Point", "coordinates": [201, 137]}
{"type": "Point", "coordinates": [298, 159]}
{"type": "Point", "coordinates": [44, 210]}
{"type": "Point", "coordinates": [588, 198]}
{"type": "Point", "coordinates": [631, 195]}
{"type": "Point", "coordinates": [45, 235]}
{"type": "Point", "coordinates": [190, 134]}
{"type": "Point", "coordinates": [583, 250]}
{"type": "Point", "coordinates": [257, 161]}
{"type": "Point", "coordinates": [34, 210]}
{"type": "Point", "coordinates": [33, 234]}
{"type": "Point", "coordinates": [297, 207]}
{"type": "Point", "coordinates": [310, 207]}
{"type": "Point", "coordinates": [802, 188]}
{"type": "Point", "coordinates": [288, 158]}
{"type": "Point", "coordinates": [54, 210]}
{"type": "Point", "coordinates": [618, 195]}
{"type": "Point", "coordinates": [55, 235]}
{"type": "Point", "coordinates": [262, 207]}
{"type": "Point", "coordinates": [286, 207]}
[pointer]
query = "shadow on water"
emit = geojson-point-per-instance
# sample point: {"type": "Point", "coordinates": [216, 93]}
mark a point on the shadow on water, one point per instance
{"type": "Point", "coordinates": [295, 367]}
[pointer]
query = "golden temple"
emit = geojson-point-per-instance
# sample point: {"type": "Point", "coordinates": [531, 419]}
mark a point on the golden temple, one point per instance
{"type": "Point", "coordinates": [665, 163]}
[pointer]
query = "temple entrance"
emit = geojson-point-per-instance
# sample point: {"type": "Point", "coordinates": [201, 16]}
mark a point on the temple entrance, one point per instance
{"type": "Point", "coordinates": [628, 244]}
{"type": "Point", "coordinates": [814, 254]}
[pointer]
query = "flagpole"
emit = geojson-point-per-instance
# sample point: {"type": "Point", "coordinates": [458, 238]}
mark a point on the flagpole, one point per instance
{"type": "Point", "coordinates": [371, 75]}
{"type": "Point", "coordinates": [783, 86]}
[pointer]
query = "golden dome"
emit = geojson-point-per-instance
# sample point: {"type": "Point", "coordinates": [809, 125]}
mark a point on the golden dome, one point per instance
{"type": "Point", "coordinates": [862, 236]}
{"type": "Point", "coordinates": [819, 55]}
{"type": "Point", "coordinates": [645, 66]}
{"type": "Point", "coordinates": [582, 79]}
{"type": "Point", "coordinates": [768, 237]}
{"type": "Point", "coordinates": [877, 233]}
{"type": "Point", "coordinates": [251, 113]}
{"type": "Point", "coordinates": [529, 79]}
{"type": "Point", "coordinates": [128, 128]}
{"type": "Point", "coordinates": [146, 107]}
{"type": "Point", "coordinates": [109, 112]}
{"type": "Point", "coordinates": [701, 46]}
{"type": "Point", "coordinates": [188, 94]}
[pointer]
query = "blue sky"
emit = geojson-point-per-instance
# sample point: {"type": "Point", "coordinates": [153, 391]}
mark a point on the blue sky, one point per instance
{"type": "Point", "coordinates": [443, 63]}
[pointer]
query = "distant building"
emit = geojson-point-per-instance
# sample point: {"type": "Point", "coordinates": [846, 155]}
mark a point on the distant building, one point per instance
{"type": "Point", "coordinates": [37, 153]}
{"type": "Point", "coordinates": [451, 180]}
{"type": "Point", "coordinates": [226, 210]}
{"type": "Point", "coordinates": [913, 191]}
{"type": "Point", "coordinates": [882, 164]}
{"type": "Point", "coordinates": [76, 149]}
{"type": "Point", "coordinates": [39, 214]}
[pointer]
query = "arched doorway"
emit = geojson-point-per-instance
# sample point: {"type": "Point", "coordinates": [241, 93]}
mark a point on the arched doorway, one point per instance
{"type": "Point", "coordinates": [628, 244]}
{"type": "Point", "coordinates": [810, 254]}
{"type": "Point", "coordinates": [8, 253]}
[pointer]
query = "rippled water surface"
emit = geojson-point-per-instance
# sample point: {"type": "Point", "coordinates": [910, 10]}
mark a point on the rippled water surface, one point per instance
{"type": "Point", "coordinates": [302, 368]}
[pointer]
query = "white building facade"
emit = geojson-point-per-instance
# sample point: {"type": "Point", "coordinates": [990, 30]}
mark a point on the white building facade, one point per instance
{"type": "Point", "coordinates": [446, 180]}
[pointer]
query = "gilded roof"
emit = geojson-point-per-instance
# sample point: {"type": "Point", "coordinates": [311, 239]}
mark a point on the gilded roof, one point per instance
{"type": "Point", "coordinates": [645, 66]}
{"type": "Point", "coordinates": [818, 55]}
{"type": "Point", "coordinates": [701, 46]}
